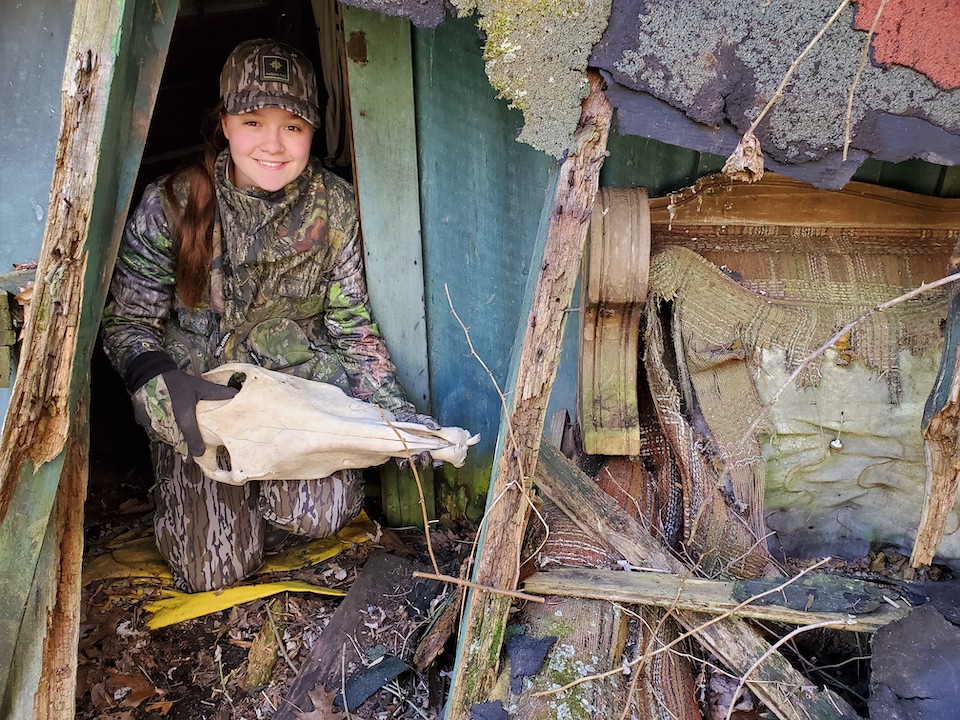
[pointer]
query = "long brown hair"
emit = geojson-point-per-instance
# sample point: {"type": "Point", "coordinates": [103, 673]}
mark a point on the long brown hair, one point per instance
{"type": "Point", "coordinates": [192, 225]}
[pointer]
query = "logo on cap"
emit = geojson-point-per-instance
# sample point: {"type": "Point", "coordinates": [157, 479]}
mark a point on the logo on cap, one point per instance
{"type": "Point", "coordinates": [274, 68]}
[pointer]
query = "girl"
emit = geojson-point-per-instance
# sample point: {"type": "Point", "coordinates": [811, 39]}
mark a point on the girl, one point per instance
{"type": "Point", "coordinates": [251, 256]}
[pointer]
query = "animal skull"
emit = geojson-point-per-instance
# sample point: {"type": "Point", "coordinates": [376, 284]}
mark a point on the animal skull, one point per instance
{"type": "Point", "coordinates": [281, 427]}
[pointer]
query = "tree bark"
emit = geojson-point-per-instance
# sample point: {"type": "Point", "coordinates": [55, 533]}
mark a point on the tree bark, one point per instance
{"type": "Point", "coordinates": [498, 559]}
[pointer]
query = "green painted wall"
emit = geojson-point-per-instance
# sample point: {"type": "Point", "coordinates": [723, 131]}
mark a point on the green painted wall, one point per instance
{"type": "Point", "coordinates": [481, 198]}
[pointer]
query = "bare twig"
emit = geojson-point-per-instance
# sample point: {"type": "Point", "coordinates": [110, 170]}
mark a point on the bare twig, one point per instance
{"type": "Point", "coordinates": [343, 679]}
{"type": "Point", "coordinates": [856, 79]}
{"type": "Point", "coordinates": [477, 586]}
{"type": "Point", "coordinates": [796, 63]}
{"type": "Point", "coordinates": [423, 501]}
{"type": "Point", "coordinates": [513, 439]}
{"type": "Point", "coordinates": [773, 649]}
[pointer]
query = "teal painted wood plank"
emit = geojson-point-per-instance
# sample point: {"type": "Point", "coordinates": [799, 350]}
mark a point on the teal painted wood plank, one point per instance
{"type": "Point", "coordinates": [21, 538]}
{"type": "Point", "coordinates": [914, 176]}
{"type": "Point", "coordinates": [380, 80]}
{"type": "Point", "coordinates": [656, 166]}
{"type": "Point", "coordinates": [129, 40]}
{"type": "Point", "coordinates": [481, 196]}
{"type": "Point", "coordinates": [27, 660]}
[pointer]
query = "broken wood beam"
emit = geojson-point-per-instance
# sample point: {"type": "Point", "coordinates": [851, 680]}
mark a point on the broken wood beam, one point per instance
{"type": "Point", "coordinates": [941, 418]}
{"type": "Point", "coordinates": [386, 582]}
{"type": "Point", "coordinates": [786, 692]}
{"type": "Point", "coordinates": [114, 61]}
{"type": "Point", "coordinates": [715, 597]}
{"type": "Point", "coordinates": [533, 371]}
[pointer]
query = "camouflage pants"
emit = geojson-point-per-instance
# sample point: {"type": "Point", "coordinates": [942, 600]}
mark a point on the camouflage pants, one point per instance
{"type": "Point", "coordinates": [211, 534]}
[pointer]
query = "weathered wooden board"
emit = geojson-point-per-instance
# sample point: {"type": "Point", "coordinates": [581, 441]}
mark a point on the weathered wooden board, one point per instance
{"type": "Point", "coordinates": [481, 195]}
{"type": "Point", "coordinates": [33, 44]}
{"type": "Point", "coordinates": [536, 357]}
{"type": "Point", "coordinates": [616, 272]}
{"type": "Point", "coordinates": [778, 200]}
{"type": "Point", "coordinates": [386, 581]}
{"type": "Point", "coordinates": [115, 58]}
{"type": "Point", "coordinates": [380, 82]}
{"type": "Point", "coordinates": [380, 78]}
{"type": "Point", "coordinates": [44, 667]}
{"type": "Point", "coordinates": [667, 590]}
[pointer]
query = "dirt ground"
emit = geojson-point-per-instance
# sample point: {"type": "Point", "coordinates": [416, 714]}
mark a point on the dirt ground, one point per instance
{"type": "Point", "coordinates": [200, 669]}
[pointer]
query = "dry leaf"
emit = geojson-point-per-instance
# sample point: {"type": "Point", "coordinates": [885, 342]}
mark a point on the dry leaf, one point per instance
{"type": "Point", "coordinates": [323, 708]}
{"type": "Point", "coordinates": [129, 690]}
{"type": "Point", "coordinates": [163, 707]}
{"type": "Point", "coordinates": [746, 162]}
{"type": "Point", "coordinates": [25, 295]}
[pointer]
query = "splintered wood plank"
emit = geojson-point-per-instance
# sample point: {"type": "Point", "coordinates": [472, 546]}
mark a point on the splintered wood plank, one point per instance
{"type": "Point", "coordinates": [775, 681]}
{"type": "Point", "coordinates": [114, 62]}
{"type": "Point", "coordinates": [386, 582]}
{"type": "Point", "coordinates": [533, 372]}
{"type": "Point", "coordinates": [55, 698]}
{"type": "Point", "coordinates": [667, 590]}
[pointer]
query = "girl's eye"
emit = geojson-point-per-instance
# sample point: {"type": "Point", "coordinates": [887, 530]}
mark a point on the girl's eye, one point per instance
{"type": "Point", "coordinates": [294, 128]}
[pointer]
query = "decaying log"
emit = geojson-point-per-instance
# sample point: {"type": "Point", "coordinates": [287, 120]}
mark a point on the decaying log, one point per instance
{"type": "Point", "coordinates": [781, 687]}
{"type": "Point", "coordinates": [940, 446]}
{"type": "Point", "coordinates": [667, 590]}
{"type": "Point", "coordinates": [584, 629]}
{"type": "Point", "coordinates": [539, 356]}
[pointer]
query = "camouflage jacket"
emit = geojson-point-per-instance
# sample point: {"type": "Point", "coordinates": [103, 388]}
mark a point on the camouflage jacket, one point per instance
{"type": "Point", "coordinates": [286, 289]}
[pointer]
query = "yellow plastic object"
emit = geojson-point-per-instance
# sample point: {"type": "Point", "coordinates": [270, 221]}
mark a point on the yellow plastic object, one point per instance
{"type": "Point", "coordinates": [133, 559]}
{"type": "Point", "coordinates": [136, 558]}
{"type": "Point", "coordinates": [362, 529]}
{"type": "Point", "coordinates": [178, 606]}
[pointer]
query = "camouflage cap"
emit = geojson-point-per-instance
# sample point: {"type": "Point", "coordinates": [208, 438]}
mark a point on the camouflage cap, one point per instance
{"type": "Point", "coordinates": [267, 73]}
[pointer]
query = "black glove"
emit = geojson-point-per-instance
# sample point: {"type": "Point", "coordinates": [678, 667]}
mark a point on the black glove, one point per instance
{"type": "Point", "coordinates": [185, 391]}
{"type": "Point", "coordinates": [424, 459]}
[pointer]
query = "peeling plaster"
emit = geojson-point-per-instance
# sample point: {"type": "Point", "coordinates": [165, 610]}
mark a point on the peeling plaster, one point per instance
{"type": "Point", "coordinates": [535, 56]}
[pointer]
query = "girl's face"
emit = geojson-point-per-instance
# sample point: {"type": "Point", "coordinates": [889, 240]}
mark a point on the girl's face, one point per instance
{"type": "Point", "coordinates": [269, 147]}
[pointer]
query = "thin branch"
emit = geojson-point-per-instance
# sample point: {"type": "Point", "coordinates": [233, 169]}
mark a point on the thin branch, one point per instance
{"type": "Point", "coordinates": [786, 78]}
{"type": "Point", "coordinates": [830, 343]}
{"type": "Point", "coordinates": [863, 64]}
{"type": "Point", "coordinates": [513, 439]}
{"type": "Point", "coordinates": [477, 586]}
{"type": "Point", "coordinates": [423, 501]}
{"type": "Point", "coordinates": [343, 679]}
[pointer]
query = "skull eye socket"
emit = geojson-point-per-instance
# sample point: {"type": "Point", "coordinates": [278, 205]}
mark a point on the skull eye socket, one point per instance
{"type": "Point", "coordinates": [237, 380]}
{"type": "Point", "coordinates": [223, 459]}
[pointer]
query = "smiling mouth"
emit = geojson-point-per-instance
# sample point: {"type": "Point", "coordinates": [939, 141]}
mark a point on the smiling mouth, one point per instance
{"type": "Point", "coordinates": [270, 164]}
